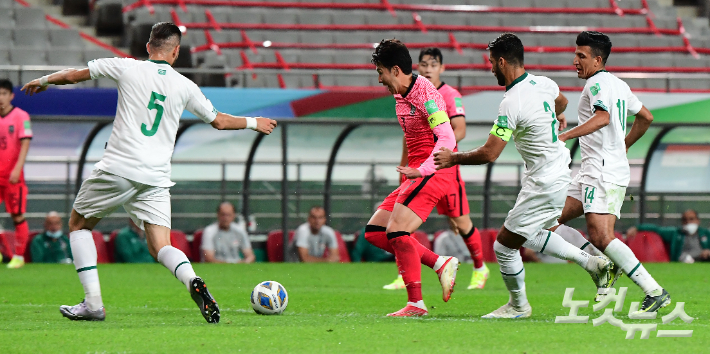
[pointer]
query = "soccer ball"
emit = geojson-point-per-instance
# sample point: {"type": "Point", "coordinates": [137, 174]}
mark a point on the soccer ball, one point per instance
{"type": "Point", "coordinates": [269, 298]}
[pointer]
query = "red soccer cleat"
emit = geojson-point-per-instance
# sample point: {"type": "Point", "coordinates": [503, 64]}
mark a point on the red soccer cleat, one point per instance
{"type": "Point", "coordinates": [447, 277]}
{"type": "Point", "coordinates": [409, 311]}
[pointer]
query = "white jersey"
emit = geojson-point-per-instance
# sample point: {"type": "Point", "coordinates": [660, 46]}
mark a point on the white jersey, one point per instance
{"type": "Point", "coordinates": [151, 99]}
{"type": "Point", "coordinates": [604, 151]}
{"type": "Point", "coordinates": [528, 112]}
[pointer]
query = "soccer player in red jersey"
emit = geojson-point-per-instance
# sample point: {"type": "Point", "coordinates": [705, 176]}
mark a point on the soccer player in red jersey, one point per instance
{"type": "Point", "coordinates": [421, 111]}
{"type": "Point", "coordinates": [455, 205]}
{"type": "Point", "coordinates": [15, 136]}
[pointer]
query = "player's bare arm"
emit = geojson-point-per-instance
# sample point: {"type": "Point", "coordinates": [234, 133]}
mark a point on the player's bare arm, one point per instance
{"type": "Point", "coordinates": [249, 256]}
{"type": "Point", "coordinates": [458, 124]}
{"type": "Point", "coordinates": [63, 77]}
{"type": "Point", "coordinates": [643, 120]}
{"type": "Point", "coordinates": [226, 121]}
{"type": "Point", "coordinates": [598, 121]}
{"type": "Point", "coordinates": [17, 170]}
{"type": "Point", "coordinates": [560, 107]}
{"type": "Point", "coordinates": [307, 258]}
{"type": "Point", "coordinates": [487, 153]}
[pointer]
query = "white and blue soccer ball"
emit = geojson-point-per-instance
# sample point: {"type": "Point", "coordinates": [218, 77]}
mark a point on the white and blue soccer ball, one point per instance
{"type": "Point", "coordinates": [269, 298]}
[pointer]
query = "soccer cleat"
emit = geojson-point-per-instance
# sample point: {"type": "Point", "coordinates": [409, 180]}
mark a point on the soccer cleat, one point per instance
{"type": "Point", "coordinates": [81, 312]}
{"type": "Point", "coordinates": [15, 263]}
{"type": "Point", "coordinates": [653, 303]}
{"type": "Point", "coordinates": [509, 311]}
{"type": "Point", "coordinates": [204, 300]}
{"type": "Point", "coordinates": [478, 280]}
{"type": "Point", "coordinates": [409, 311]}
{"type": "Point", "coordinates": [397, 284]}
{"type": "Point", "coordinates": [614, 275]}
{"type": "Point", "coordinates": [447, 277]}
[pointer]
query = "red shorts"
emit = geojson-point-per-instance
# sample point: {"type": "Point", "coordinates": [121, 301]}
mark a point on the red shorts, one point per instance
{"type": "Point", "coordinates": [422, 194]}
{"type": "Point", "coordinates": [455, 204]}
{"type": "Point", "coordinates": [15, 197]}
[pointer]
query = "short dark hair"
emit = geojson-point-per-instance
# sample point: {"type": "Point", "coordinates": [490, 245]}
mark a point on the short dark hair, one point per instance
{"type": "Point", "coordinates": [509, 47]}
{"type": "Point", "coordinates": [315, 207]}
{"type": "Point", "coordinates": [434, 52]}
{"type": "Point", "coordinates": [162, 32]}
{"type": "Point", "coordinates": [6, 84]}
{"type": "Point", "coordinates": [599, 43]}
{"type": "Point", "coordinates": [391, 52]}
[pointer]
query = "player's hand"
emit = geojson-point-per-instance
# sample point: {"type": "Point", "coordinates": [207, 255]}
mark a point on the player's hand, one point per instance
{"type": "Point", "coordinates": [705, 254]}
{"type": "Point", "coordinates": [443, 158]}
{"type": "Point", "coordinates": [411, 173]}
{"type": "Point", "coordinates": [33, 87]}
{"type": "Point", "coordinates": [265, 125]}
{"type": "Point", "coordinates": [631, 232]}
{"type": "Point", "coordinates": [563, 121]}
{"type": "Point", "coordinates": [15, 176]}
{"type": "Point", "coordinates": [562, 137]}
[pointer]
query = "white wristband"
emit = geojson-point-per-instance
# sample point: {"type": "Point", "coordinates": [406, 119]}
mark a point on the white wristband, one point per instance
{"type": "Point", "coordinates": [251, 123]}
{"type": "Point", "coordinates": [44, 80]}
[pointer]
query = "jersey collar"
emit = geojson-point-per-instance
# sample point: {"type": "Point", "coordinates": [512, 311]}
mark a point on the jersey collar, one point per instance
{"type": "Point", "coordinates": [158, 61]}
{"type": "Point", "coordinates": [8, 113]}
{"type": "Point", "coordinates": [440, 86]}
{"type": "Point", "coordinates": [414, 80]}
{"type": "Point", "coordinates": [520, 78]}
{"type": "Point", "coordinates": [599, 71]}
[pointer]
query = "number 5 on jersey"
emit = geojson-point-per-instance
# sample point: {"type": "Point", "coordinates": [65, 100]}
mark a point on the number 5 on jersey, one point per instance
{"type": "Point", "coordinates": [158, 115]}
{"type": "Point", "coordinates": [554, 120]}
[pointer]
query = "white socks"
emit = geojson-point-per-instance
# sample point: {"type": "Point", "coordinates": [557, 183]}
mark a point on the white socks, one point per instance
{"type": "Point", "coordinates": [622, 255]}
{"type": "Point", "coordinates": [550, 243]}
{"type": "Point", "coordinates": [575, 237]}
{"type": "Point", "coordinates": [177, 263]}
{"type": "Point", "coordinates": [511, 268]}
{"type": "Point", "coordinates": [84, 251]}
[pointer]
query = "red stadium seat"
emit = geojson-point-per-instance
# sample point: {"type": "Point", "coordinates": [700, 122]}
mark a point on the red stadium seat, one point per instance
{"type": "Point", "coordinates": [7, 244]}
{"type": "Point", "coordinates": [648, 247]}
{"type": "Point", "coordinates": [438, 233]}
{"type": "Point", "coordinates": [488, 237]}
{"type": "Point", "coordinates": [275, 245]}
{"type": "Point", "coordinates": [101, 249]}
{"type": "Point", "coordinates": [196, 246]}
{"type": "Point", "coordinates": [179, 241]}
{"type": "Point", "coordinates": [342, 249]}
{"type": "Point", "coordinates": [423, 238]}
{"type": "Point", "coordinates": [111, 246]}
{"type": "Point", "coordinates": [30, 238]}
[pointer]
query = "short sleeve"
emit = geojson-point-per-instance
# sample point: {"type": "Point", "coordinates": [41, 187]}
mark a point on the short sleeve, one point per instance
{"type": "Point", "coordinates": [634, 104]}
{"type": "Point", "coordinates": [301, 237]}
{"type": "Point", "coordinates": [208, 238]}
{"type": "Point", "coordinates": [599, 96]}
{"type": "Point", "coordinates": [246, 244]}
{"type": "Point", "coordinates": [199, 105]}
{"type": "Point", "coordinates": [111, 68]}
{"type": "Point", "coordinates": [454, 106]}
{"type": "Point", "coordinates": [332, 239]}
{"type": "Point", "coordinates": [432, 102]}
{"type": "Point", "coordinates": [506, 121]}
{"type": "Point", "coordinates": [25, 127]}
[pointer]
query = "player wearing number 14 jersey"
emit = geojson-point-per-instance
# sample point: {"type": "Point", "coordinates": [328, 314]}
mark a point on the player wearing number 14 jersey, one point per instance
{"type": "Point", "coordinates": [135, 169]}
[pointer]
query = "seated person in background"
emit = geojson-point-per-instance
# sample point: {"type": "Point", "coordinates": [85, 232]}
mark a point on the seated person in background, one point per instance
{"type": "Point", "coordinates": [131, 246]}
{"type": "Point", "coordinates": [688, 243]}
{"type": "Point", "coordinates": [364, 251]}
{"type": "Point", "coordinates": [226, 241]}
{"type": "Point", "coordinates": [52, 245]}
{"type": "Point", "coordinates": [314, 237]}
{"type": "Point", "coordinates": [448, 243]}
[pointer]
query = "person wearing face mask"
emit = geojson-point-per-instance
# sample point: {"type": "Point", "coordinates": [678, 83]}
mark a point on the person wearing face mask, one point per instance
{"type": "Point", "coordinates": [689, 243]}
{"type": "Point", "coordinates": [52, 245]}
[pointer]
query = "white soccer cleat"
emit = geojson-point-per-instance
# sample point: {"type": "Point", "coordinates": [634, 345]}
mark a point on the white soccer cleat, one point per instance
{"type": "Point", "coordinates": [508, 311]}
{"type": "Point", "coordinates": [599, 268]}
{"type": "Point", "coordinates": [447, 277]}
{"type": "Point", "coordinates": [81, 312]}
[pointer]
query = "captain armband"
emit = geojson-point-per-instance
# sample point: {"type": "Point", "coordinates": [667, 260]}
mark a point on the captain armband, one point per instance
{"type": "Point", "coordinates": [503, 133]}
{"type": "Point", "coordinates": [437, 118]}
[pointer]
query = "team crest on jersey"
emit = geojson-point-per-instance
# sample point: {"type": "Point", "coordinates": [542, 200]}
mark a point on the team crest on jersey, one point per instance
{"type": "Point", "coordinates": [161, 71]}
{"type": "Point", "coordinates": [533, 83]}
{"type": "Point", "coordinates": [595, 89]}
{"type": "Point", "coordinates": [412, 109]}
{"type": "Point", "coordinates": [502, 121]}
{"type": "Point", "coordinates": [11, 129]}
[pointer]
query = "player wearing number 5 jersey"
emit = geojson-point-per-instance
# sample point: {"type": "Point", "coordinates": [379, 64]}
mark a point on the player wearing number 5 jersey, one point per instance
{"type": "Point", "coordinates": [135, 169]}
{"type": "Point", "coordinates": [530, 112]}
{"type": "Point", "coordinates": [598, 190]}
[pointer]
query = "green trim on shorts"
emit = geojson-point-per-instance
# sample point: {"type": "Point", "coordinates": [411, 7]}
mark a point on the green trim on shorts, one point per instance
{"type": "Point", "coordinates": [548, 239]}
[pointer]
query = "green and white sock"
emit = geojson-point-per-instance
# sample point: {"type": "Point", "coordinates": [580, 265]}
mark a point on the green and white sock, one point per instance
{"type": "Point", "coordinates": [177, 263]}
{"type": "Point", "coordinates": [83, 250]}
{"type": "Point", "coordinates": [622, 255]}
{"type": "Point", "coordinates": [575, 237]}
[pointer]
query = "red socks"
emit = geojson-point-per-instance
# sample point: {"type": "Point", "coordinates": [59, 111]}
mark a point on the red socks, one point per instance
{"type": "Point", "coordinates": [473, 242]}
{"type": "Point", "coordinates": [377, 236]}
{"type": "Point", "coordinates": [408, 262]}
{"type": "Point", "coordinates": [22, 232]}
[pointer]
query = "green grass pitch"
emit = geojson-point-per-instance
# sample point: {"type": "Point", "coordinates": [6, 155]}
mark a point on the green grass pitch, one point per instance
{"type": "Point", "coordinates": [332, 308]}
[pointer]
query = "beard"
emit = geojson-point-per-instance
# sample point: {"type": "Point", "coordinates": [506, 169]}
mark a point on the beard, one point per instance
{"type": "Point", "coordinates": [499, 76]}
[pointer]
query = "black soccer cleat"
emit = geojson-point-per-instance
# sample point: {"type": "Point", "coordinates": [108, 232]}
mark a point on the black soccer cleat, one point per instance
{"type": "Point", "coordinates": [204, 300]}
{"type": "Point", "coordinates": [653, 303]}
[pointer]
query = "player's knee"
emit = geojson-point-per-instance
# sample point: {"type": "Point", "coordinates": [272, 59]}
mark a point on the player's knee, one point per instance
{"type": "Point", "coordinates": [372, 231]}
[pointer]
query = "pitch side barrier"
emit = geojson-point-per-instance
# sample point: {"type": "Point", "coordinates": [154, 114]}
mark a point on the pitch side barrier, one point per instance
{"type": "Point", "coordinates": [348, 126]}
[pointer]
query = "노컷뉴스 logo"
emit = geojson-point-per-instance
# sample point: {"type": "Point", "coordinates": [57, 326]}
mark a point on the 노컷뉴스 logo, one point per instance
{"type": "Point", "coordinates": [630, 328]}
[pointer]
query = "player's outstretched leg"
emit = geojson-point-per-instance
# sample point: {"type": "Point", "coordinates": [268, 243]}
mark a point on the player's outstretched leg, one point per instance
{"type": "Point", "coordinates": [513, 272]}
{"type": "Point", "coordinates": [85, 259]}
{"type": "Point", "coordinates": [577, 239]}
{"type": "Point", "coordinates": [550, 243]}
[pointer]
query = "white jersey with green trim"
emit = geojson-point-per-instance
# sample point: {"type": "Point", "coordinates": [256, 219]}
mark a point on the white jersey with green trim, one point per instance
{"type": "Point", "coordinates": [151, 99]}
{"type": "Point", "coordinates": [528, 110]}
{"type": "Point", "coordinates": [604, 151]}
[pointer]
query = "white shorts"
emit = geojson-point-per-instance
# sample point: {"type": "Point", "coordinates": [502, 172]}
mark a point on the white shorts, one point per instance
{"type": "Point", "coordinates": [537, 209]}
{"type": "Point", "coordinates": [102, 193]}
{"type": "Point", "coordinates": [598, 197]}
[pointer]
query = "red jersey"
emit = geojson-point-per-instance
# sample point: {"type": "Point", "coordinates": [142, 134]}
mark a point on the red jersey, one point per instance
{"type": "Point", "coordinates": [419, 110]}
{"type": "Point", "coordinates": [452, 97]}
{"type": "Point", "coordinates": [14, 127]}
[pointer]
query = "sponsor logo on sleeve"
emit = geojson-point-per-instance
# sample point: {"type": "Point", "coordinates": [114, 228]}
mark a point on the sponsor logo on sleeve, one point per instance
{"type": "Point", "coordinates": [457, 102]}
{"type": "Point", "coordinates": [502, 121]}
{"type": "Point", "coordinates": [431, 107]}
{"type": "Point", "coordinates": [595, 89]}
